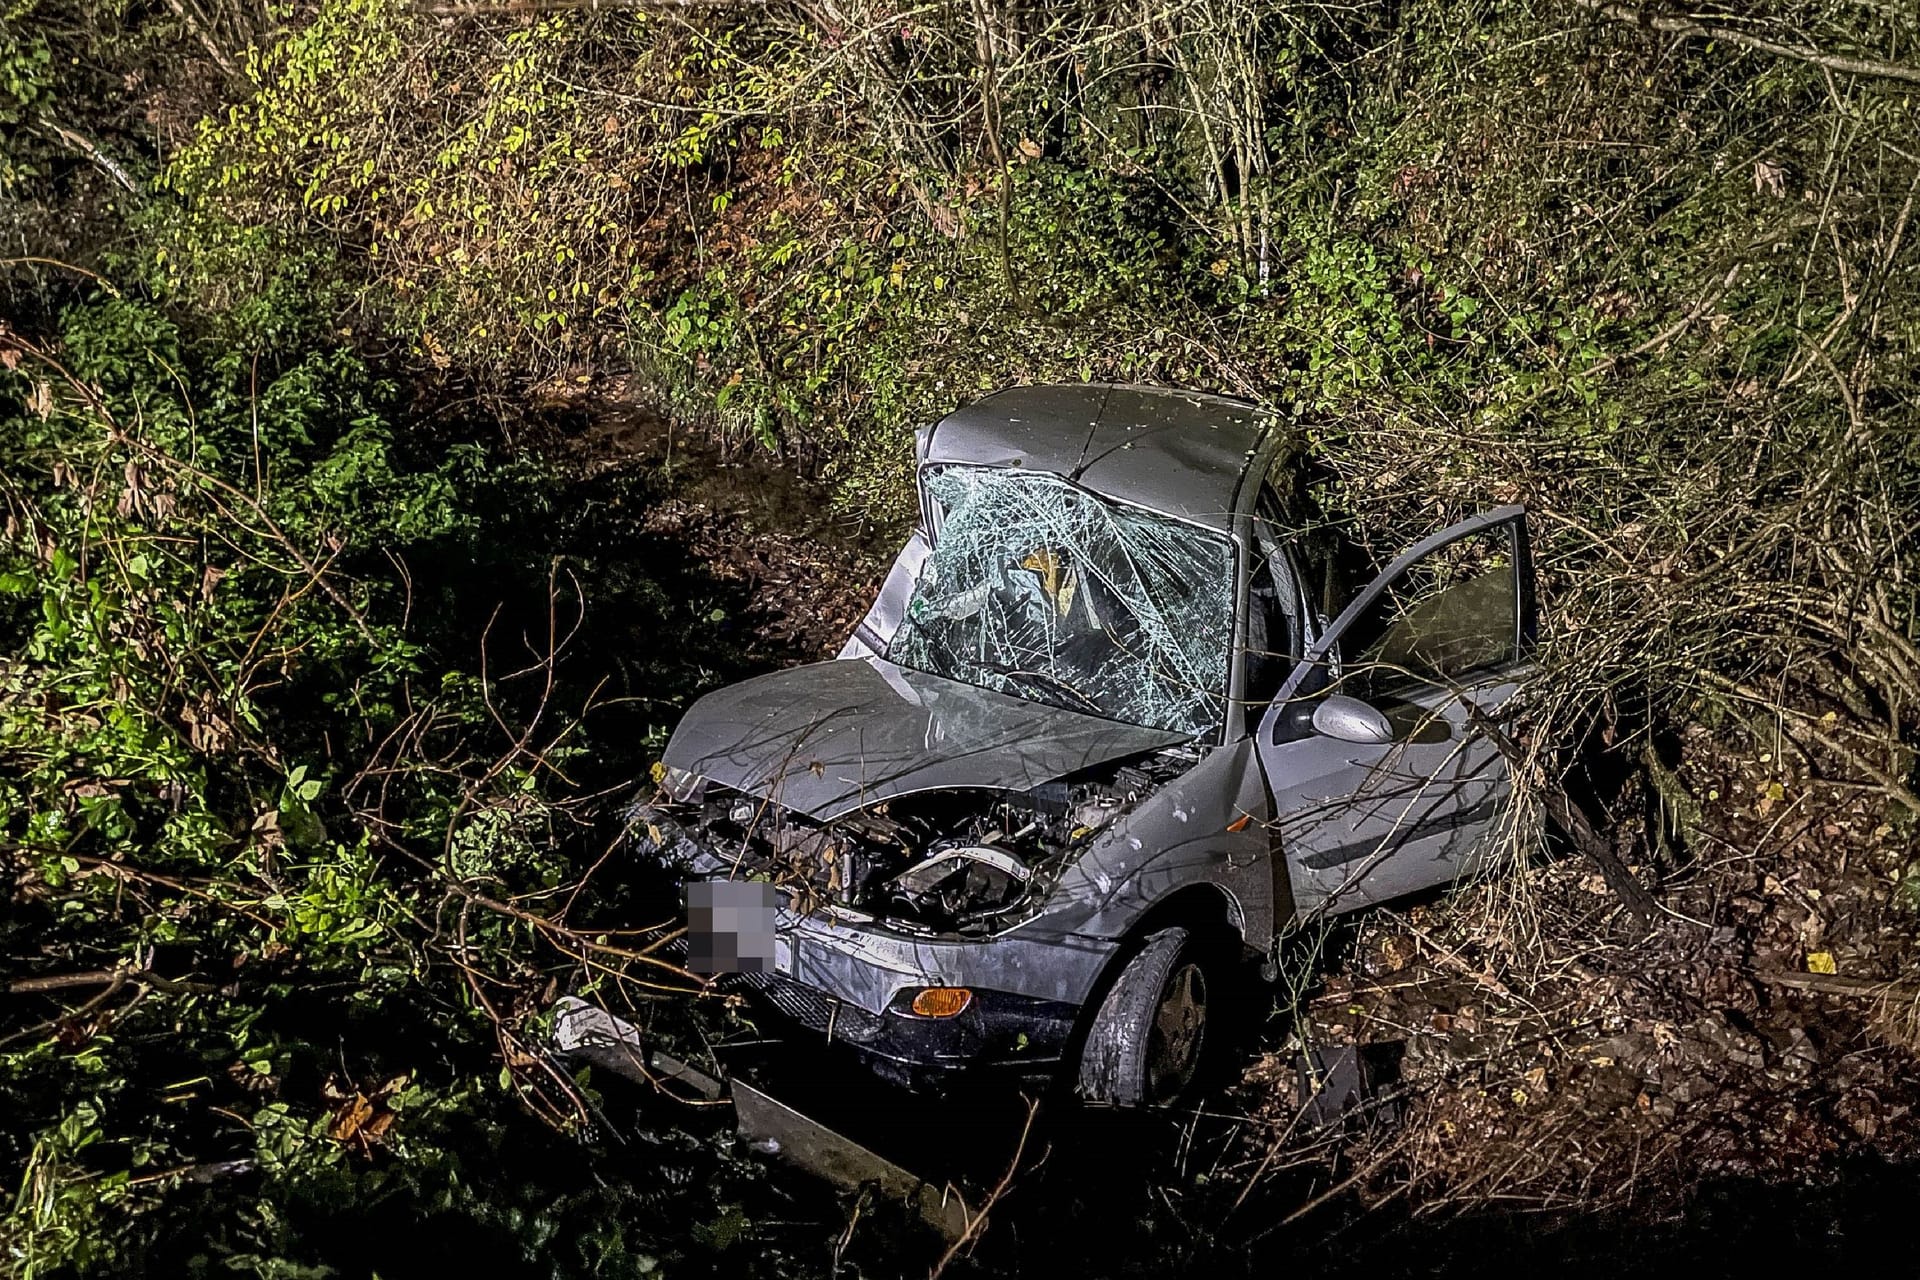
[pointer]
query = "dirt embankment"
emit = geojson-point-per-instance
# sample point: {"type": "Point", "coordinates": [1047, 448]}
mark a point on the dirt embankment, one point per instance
{"type": "Point", "coordinates": [743, 516]}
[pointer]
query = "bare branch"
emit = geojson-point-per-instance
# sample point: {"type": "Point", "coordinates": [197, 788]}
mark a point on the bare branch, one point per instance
{"type": "Point", "coordinates": [1687, 27]}
{"type": "Point", "coordinates": [86, 147]}
{"type": "Point", "coordinates": [482, 8]}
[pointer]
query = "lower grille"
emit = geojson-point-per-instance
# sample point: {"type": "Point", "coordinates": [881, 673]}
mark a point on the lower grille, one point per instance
{"type": "Point", "coordinates": [811, 1009]}
{"type": "Point", "coordinates": [814, 1010]}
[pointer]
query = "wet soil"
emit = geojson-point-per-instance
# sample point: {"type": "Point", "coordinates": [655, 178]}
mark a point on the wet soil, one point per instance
{"type": "Point", "coordinates": [739, 513]}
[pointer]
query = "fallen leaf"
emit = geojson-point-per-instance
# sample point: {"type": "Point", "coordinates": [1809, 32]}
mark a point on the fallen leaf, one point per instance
{"type": "Point", "coordinates": [347, 1120]}
{"type": "Point", "coordinates": [1821, 962]}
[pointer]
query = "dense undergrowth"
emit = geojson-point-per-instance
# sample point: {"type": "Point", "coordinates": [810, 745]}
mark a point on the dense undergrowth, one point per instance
{"type": "Point", "coordinates": [285, 848]}
{"type": "Point", "coordinates": [295, 788]}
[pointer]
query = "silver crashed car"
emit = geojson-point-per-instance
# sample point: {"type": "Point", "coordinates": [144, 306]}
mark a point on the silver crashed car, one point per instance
{"type": "Point", "coordinates": [1111, 719]}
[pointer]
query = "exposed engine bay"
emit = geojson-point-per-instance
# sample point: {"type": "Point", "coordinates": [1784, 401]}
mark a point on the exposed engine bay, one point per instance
{"type": "Point", "coordinates": [966, 863]}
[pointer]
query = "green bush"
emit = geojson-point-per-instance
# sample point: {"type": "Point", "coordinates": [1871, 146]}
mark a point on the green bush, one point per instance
{"type": "Point", "coordinates": [231, 777]}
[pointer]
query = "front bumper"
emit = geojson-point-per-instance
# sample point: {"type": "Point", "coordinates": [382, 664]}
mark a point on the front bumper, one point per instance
{"type": "Point", "coordinates": [850, 981]}
{"type": "Point", "coordinates": [999, 1034]}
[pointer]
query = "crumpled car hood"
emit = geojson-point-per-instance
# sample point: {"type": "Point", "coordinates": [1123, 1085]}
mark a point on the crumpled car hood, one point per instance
{"type": "Point", "coordinates": [828, 738]}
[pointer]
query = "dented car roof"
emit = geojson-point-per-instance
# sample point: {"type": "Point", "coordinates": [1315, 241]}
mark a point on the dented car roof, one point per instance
{"type": "Point", "coordinates": [1179, 452]}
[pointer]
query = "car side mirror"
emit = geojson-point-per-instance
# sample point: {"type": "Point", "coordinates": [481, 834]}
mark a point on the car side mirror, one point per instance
{"type": "Point", "coordinates": [1350, 720]}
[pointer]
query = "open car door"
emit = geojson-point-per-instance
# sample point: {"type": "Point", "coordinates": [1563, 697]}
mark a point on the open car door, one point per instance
{"type": "Point", "coordinates": [1382, 783]}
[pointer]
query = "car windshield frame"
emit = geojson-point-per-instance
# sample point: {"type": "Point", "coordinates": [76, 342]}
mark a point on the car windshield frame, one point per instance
{"type": "Point", "coordinates": [1044, 590]}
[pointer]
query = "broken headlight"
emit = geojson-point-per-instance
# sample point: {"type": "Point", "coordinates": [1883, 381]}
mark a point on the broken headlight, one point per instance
{"type": "Point", "coordinates": [682, 786]}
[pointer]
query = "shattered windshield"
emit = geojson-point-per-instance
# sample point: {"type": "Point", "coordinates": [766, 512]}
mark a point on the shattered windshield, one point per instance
{"type": "Point", "coordinates": [1044, 591]}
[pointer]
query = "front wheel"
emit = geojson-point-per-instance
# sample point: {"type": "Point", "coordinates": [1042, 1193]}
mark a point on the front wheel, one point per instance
{"type": "Point", "coordinates": [1146, 1040]}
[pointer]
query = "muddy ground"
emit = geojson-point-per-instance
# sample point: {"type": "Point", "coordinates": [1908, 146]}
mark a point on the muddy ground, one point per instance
{"type": "Point", "coordinates": [1731, 1084]}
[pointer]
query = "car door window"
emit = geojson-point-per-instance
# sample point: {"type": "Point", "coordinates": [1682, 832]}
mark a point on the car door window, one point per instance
{"type": "Point", "coordinates": [1445, 619]}
{"type": "Point", "coordinates": [1451, 612]}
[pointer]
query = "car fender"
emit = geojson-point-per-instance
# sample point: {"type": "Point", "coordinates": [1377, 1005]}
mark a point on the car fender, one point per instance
{"type": "Point", "coordinates": [1210, 826]}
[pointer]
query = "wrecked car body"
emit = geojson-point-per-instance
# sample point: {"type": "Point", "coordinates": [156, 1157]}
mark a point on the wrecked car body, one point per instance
{"type": "Point", "coordinates": [1098, 731]}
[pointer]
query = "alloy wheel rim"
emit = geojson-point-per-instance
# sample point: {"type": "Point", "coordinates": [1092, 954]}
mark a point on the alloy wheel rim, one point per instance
{"type": "Point", "coordinates": [1175, 1036]}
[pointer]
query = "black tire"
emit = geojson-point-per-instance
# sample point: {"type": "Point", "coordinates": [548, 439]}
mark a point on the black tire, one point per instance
{"type": "Point", "coordinates": [1145, 1043]}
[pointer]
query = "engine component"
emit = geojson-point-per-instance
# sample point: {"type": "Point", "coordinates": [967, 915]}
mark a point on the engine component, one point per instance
{"type": "Point", "coordinates": [934, 863]}
{"type": "Point", "coordinates": [967, 884]}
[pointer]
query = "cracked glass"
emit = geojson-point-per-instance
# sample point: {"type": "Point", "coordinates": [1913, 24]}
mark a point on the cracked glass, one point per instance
{"type": "Point", "coordinates": [1042, 590]}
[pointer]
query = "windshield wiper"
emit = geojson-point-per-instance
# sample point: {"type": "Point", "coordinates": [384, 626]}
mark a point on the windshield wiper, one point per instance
{"type": "Point", "coordinates": [1054, 683]}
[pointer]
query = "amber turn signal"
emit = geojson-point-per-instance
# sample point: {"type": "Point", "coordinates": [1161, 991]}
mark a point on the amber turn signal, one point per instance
{"type": "Point", "coordinates": [942, 1002]}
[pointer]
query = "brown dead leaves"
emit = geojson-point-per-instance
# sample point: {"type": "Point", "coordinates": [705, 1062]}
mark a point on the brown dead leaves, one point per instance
{"type": "Point", "coordinates": [361, 1121]}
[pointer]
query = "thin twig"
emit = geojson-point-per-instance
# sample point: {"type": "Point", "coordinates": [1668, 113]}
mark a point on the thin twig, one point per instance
{"type": "Point", "coordinates": [1688, 28]}
{"type": "Point", "coordinates": [976, 1222]}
